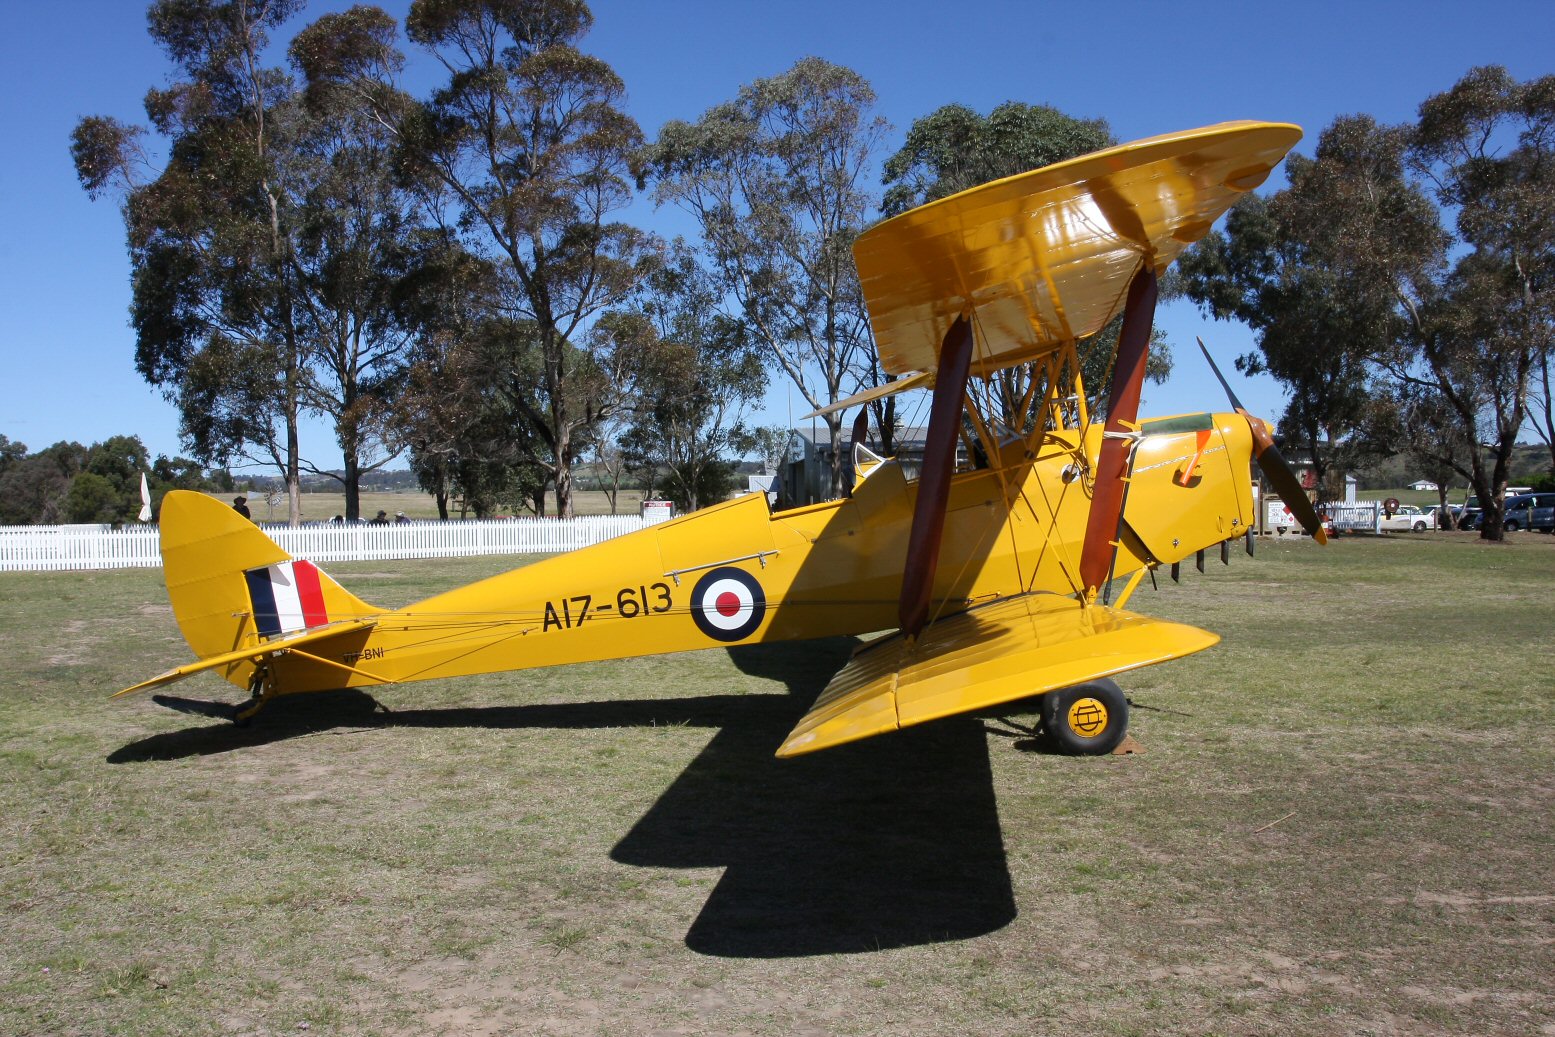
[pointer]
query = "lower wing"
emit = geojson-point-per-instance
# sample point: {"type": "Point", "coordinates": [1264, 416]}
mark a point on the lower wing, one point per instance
{"type": "Point", "coordinates": [1009, 649]}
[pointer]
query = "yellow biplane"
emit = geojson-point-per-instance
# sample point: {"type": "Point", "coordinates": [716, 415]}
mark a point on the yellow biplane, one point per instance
{"type": "Point", "coordinates": [996, 577]}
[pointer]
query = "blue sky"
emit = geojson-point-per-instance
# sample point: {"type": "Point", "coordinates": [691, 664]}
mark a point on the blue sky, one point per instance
{"type": "Point", "coordinates": [1146, 67]}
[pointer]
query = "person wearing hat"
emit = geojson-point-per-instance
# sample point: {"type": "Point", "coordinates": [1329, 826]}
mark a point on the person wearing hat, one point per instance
{"type": "Point", "coordinates": [381, 519]}
{"type": "Point", "coordinates": [240, 505]}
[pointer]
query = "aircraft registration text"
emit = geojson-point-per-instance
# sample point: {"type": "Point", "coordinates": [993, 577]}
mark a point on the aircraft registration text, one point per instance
{"type": "Point", "coordinates": [630, 602]}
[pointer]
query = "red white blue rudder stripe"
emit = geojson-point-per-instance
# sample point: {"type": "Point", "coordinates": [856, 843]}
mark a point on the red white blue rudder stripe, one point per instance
{"type": "Point", "coordinates": [287, 598]}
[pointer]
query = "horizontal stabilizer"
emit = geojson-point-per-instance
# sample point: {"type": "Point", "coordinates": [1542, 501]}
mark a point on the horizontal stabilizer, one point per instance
{"type": "Point", "coordinates": [254, 651]}
{"type": "Point", "coordinates": [1009, 649]}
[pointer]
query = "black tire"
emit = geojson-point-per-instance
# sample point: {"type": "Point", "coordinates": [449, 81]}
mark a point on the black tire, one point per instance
{"type": "Point", "coordinates": [1512, 526]}
{"type": "Point", "coordinates": [1419, 527]}
{"type": "Point", "coordinates": [1088, 719]}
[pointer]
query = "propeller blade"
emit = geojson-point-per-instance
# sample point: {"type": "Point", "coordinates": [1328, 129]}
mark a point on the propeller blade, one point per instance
{"type": "Point", "coordinates": [1284, 482]}
{"type": "Point", "coordinates": [1282, 478]}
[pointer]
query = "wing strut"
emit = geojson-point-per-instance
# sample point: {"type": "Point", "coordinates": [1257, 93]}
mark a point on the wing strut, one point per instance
{"type": "Point", "coordinates": [939, 464]}
{"type": "Point", "coordinates": [1128, 380]}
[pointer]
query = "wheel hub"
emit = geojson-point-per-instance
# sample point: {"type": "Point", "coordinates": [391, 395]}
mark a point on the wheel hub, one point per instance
{"type": "Point", "coordinates": [1087, 717]}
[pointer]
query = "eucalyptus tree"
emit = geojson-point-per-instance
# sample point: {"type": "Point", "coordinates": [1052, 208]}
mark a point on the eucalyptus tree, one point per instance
{"type": "Point", "coordinates": [356, 220]}
{"type": "Point", "coordinates": [528, 135]}
{"type": "Point", "coordinates": [1486, 149]}
{"type": "Point", "coordinates": [776, 179]}
{"type": "Point", "coordinates": [213, 301]}
{"type": "Point", "coordinates": [456, 411]}
{"type": "Point", "coordinates": [259, 287]}
{"type": "Point", "coordinates": [696, 373]}
{"type": "Point", "coordinates": [953, 148]}
{"type": "Point", "coordinates": [1416, 260]}
{"type": "Point", "coordinates": [34, 487]}
{"type": "Point", "coordinates": [1317, 328]}
{"type": "Point", "coordinates": [1430, 437]}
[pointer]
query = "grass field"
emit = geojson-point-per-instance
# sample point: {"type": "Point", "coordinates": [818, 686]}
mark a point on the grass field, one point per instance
{"type": "Point", "coordinates": [1341, 824]}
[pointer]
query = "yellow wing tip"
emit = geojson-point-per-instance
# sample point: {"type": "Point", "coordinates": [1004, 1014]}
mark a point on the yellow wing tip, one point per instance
{"type": "Point", "coordinates": [156, 682]}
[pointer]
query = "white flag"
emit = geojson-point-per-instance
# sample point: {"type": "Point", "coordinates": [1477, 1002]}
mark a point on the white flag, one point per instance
{"type": "Point", "coordinates": [145, 499]}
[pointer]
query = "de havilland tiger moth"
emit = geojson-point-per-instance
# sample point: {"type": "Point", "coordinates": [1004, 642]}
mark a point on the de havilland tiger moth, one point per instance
{"type": "Point", "coordinates": [996, 578]}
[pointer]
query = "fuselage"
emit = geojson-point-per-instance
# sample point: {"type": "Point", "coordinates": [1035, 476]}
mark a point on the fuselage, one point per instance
{"type": "Point", "coordinates": [740, 573]}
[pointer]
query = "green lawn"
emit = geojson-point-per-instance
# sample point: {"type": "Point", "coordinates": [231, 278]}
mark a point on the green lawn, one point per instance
{"type": "Point", "coordinates": [1341, 824]}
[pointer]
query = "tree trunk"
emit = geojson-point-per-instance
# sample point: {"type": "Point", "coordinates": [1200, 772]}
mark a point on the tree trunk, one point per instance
{"type": "Point", "coordinates": [834, 428]}
{"type": "Point", "coordinates": [563, 465]}
{"type": "Point", "coordinates": [293, 475]}
{"type": "Point", "coordinates": [353, 484]}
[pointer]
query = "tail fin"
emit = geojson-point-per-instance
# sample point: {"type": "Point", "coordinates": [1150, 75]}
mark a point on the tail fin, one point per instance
{"type": "Point", "coordinates": [231, 586]}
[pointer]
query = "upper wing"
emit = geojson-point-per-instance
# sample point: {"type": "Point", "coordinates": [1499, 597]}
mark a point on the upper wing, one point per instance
{"type": "Point", "coordinates": [1007, 650]}
{"type": "Point", "coordinates": [1046, 256]}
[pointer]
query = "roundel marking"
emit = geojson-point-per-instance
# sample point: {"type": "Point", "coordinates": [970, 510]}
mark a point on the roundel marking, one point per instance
{"type": "Point", "coordinates": [728, 604]}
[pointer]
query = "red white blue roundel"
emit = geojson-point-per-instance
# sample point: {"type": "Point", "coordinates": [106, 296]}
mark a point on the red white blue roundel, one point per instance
{"type": "Point", "coordinates": [728, 604]}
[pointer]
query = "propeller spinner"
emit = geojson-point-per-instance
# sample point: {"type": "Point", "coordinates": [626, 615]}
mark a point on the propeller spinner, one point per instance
{"type": "Point", "coordinates": [1272, 463]}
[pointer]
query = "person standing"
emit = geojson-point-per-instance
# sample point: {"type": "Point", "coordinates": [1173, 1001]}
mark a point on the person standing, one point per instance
{"type": "Point", "coordinates": [240, 505]}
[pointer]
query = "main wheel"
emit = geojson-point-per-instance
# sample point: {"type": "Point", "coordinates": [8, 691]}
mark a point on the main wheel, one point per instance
{"type": "Point", "coordinates": [1088, 719]}
{"type": "Point", "coordinates": [1512, 526]}
{"type": "Point", "coordinates": [1419, 527]}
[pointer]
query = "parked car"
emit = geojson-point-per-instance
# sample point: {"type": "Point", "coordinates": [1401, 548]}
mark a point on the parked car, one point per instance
{"type": "Point", "coordinates": [1531, 511]}
{"type": "Point", "coordinates": [1433, 519]}
{"type": "Point", "coordinates": [1408, 516]}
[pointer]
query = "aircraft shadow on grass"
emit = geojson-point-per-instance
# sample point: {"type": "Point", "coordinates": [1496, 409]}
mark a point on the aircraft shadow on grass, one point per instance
{"type": "Point", "coordinates": [890, 842]}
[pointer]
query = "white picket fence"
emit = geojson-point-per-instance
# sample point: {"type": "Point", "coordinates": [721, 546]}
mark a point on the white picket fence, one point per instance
{"type": "Point", "coordinates": [39, 548]}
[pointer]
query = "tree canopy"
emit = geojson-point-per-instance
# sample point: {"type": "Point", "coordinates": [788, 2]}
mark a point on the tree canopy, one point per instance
{"type": "Point", "coordinates": [697, 374]}
{"type": "Point", "coordinates": [954, 148]}
{"type": "Point", "coordinates": [776, 180]}
{"type": "Point", "coordinates": [68, 482]}
{"type": "Point", "coordinates": [258, 251]}
{"type": "Point", "coordinates": [530, 141]}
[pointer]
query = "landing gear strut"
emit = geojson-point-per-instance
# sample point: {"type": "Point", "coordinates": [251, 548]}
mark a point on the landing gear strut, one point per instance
{"type": "Point", "coordinates": [261, 689]}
